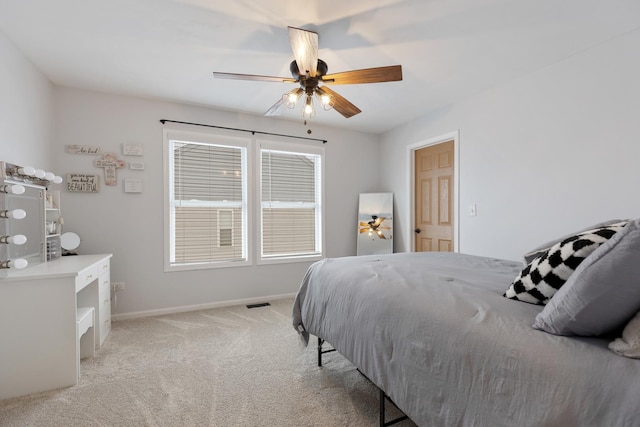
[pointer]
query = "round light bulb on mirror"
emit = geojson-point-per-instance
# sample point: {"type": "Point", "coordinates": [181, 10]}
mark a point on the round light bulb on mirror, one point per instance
{"type": "Point", "coordinates": [40, 173]}
{"type": "Point", "coordinates": [49, 176]}
{"type": "Point", "coordinates": [12, 189]}
{"type": "Point", "coordinates": [18, 239]}
{"type": "Point", "coordinates": [15, 214]}
{"type": "Point", "coordinates": [18, 263]}
{"type": "Point", "coordinates": [57, 179]}
{"type": "Point", "coordinates": [27, 171]}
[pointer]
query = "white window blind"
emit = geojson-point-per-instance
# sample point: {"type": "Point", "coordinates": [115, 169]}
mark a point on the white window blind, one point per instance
{"type": "Point", "coordinates": [207, 203]}
{"type": "Point", "coordinates": [290, 204]}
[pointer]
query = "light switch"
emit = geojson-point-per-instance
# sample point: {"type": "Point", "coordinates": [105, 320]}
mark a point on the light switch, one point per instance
{"type": "Point", "coordinates": [473, 210]}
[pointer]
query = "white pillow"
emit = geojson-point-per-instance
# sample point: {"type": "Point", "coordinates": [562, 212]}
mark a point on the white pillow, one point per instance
{"type": "Point", "coordinates": [628, 344]}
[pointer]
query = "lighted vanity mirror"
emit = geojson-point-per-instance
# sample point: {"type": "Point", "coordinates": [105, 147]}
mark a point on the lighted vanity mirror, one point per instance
{"type": "Point", "coordinates": [31, 226]}
{"type": "Point", "coordinates": [375, 224]}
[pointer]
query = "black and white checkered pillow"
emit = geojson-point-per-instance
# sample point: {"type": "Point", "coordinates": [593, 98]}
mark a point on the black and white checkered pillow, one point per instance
{"type": "Point", "coordinates": [542, 278]}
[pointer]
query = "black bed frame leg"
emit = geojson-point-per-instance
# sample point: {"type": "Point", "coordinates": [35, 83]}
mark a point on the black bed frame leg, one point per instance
{"type": "Point", "coordinates": [382, 414]}
{"type": "Point", "coordinates": [383, 399]}
{"type": "Point", "coordinates": [321, 351]}
{"type": "Point", "coordinates": [383, 395]}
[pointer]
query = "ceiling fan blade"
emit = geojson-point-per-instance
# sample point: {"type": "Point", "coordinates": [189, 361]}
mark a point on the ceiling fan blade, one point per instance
{"type": "Point", "coordinates": [288, 100]}
{"type": "Point", "coordinates": [340, 104]}
{"type": "Point", "coordinates": [378, 221]}
{"type": "Point", "coordinates": [392, 73]}
{"type": "Point", "coordinates": [253, 77]}
{"type": "Point", "coordinates": [275, 109]}
{"type": "Point", "coordinates": [304, 44]}
{"type": "Point", "coordinates": [380, 235]}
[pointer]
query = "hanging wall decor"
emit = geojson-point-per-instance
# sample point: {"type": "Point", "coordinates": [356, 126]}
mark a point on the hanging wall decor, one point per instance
{"type": "Point", "coordinates": [132, 149]}
{"type": "Point", "coordinates": [83, 183]}
{"type": "Point", "coordinates": [136, 166]}
{"type": "Point", "coordinates": [132, 185]}
{"type": "Point", "coordinates": [110, 164]}
{"type": "Point", "coordinates": [82, 149]}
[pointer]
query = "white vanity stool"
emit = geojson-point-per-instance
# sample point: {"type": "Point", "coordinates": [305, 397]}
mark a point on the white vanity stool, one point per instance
{"type": "Point", "coordinates": [85, 320]}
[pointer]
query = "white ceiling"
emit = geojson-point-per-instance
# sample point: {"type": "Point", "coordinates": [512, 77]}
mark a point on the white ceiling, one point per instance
{"type": "Point", "coordinates": [168, 49]}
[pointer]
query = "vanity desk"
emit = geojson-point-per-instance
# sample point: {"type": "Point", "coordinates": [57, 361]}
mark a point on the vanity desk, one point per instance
{"type": "Point", "coordinates": [39, 345]}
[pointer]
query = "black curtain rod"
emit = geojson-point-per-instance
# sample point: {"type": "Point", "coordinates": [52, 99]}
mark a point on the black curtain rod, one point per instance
{"type": "Point", "coordinates": [324, 141]}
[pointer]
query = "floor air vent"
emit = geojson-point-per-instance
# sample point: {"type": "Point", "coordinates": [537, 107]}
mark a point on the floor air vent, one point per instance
{"type": "Point", "coordinates": [262, 304]}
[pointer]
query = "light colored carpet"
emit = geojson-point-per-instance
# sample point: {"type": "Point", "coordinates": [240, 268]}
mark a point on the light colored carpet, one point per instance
{"type": "Point", "coordinates": [221, 367]}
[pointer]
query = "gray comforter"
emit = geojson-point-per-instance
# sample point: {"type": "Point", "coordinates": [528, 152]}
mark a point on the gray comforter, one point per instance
{"type": "Point", "coordinates": [435, 333]}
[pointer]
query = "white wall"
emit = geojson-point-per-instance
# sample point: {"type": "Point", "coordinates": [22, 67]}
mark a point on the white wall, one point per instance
{"type": "Point", "coordinates": [131, 225]}
{"type": "Point", "coordinates": [541, 156]}
{"type": "Point", "coordinates": [26, 114]}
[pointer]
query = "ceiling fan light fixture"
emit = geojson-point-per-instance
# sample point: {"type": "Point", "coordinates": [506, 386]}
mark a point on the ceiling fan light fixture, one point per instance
{"type": "Point", "coordinates": [308, 110]}
{"type": "Point", "coordinates": [308, 71]}
{"type": "Point", "coordinates": [326, 101]}
{"type": "Point", "coordinates": [290, 98]}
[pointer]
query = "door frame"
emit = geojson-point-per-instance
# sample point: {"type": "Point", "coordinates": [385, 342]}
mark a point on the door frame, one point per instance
{"type": "Point", "coordinates": [411, 155]}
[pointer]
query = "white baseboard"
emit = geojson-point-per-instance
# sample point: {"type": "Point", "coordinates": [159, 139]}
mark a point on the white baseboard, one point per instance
{"type": "Point", "coordinates": [181, 309]}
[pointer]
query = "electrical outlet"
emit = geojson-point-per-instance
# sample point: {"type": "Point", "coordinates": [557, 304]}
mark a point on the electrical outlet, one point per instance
{"type": "Point", "coordinates": [117, 286]}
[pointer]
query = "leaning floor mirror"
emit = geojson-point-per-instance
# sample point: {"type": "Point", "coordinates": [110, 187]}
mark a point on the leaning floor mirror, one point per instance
{"type": "Point", "coordinates": [375, 224]}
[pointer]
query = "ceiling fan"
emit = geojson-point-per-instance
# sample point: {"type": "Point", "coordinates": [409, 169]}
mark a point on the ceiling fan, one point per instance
{"type": "Point", "coordinates": [310, 73]}
{"type": "Point", "coordinates": [374, 226]}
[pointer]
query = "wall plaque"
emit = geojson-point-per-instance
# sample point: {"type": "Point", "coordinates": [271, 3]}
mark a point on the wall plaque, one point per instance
{"type": "Point", "coordinates": [82, 149]}
{"type": "Point", "coordinates": [83, 183]}
{"type": "Point", "coordinates": [136, 166]}
{"type": "Point", "coordinates": [110, 164]}
{"type": "Point", "coordinates": [132, 185]}
{"type": "Point", "coordinates": [132, 149]}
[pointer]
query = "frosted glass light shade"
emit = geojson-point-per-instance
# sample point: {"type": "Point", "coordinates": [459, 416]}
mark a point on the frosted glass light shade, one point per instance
{"type": "Point", "coordinates": [15, 214]}
{"type": "Point", "coordinates": [12, 189]}
{"type": "Point", "coordinates": [18, 239]}
{"type": "Point", "coordinates": [27, 171]}
{"type": "Point", "coordinates": [18, 263]}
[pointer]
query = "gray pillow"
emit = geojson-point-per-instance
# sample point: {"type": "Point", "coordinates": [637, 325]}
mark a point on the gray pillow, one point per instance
{"type": "Point", "coordinates": [541, 249]}
{"type": "Point", "coordinates": [602, 294]}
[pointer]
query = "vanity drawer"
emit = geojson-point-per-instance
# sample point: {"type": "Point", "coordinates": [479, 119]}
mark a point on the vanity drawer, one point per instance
{"type": "Point", "coordinates": [86, 276]}
{"type": "Point", "coordinates": [104, 309]}
{"type": "Point", "coordinates": [103, 267]}
{"type": "Point", "coordinates": [104, 283]}
{"type": "Point", "coordinates": [104, 317]}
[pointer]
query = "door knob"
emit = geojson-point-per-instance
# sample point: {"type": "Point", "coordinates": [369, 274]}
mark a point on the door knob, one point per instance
{"type": "Point", "coordinates": [417, 230]}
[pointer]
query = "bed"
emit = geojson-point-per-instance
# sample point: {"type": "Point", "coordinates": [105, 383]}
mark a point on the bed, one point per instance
{"type": "Point", "coordinates": [435, 332]}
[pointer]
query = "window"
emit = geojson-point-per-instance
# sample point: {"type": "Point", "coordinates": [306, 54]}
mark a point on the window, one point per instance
{"type": "Point", "coordinates": [231, 200]}
{"type": "Point", "coordinates": [290, 204]}
{"type": "Point", "coordinates": [207, 202]}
